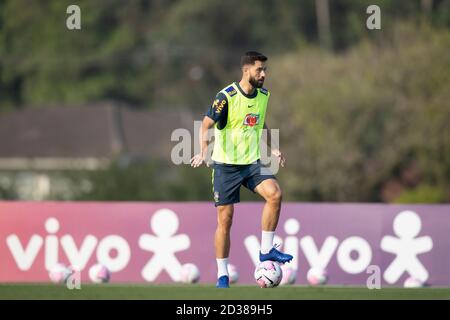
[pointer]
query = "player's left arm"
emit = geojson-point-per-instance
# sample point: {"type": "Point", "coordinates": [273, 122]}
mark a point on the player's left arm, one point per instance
{"type": "Point", "coordinates": [274, 148]}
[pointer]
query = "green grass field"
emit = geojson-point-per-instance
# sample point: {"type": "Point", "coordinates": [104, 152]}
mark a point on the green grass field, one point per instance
{"type": "Point", "coordinates": [208, 292]}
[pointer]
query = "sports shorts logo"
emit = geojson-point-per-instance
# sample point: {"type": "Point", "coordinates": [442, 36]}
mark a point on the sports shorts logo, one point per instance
{"type": "Point", "coordinates": [251, 119]}
{"type": "Point", "coordinates": [216, 196]}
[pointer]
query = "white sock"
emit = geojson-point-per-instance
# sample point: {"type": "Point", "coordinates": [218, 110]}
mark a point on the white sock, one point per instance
{"type": "Point", "coordinates": [267, 241]}
{"type": "Point", "coordinates": [222, 267]}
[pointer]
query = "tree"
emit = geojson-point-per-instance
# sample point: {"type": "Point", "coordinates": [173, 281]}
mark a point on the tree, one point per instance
{"type": "Point", "coordinates": [323, 23]}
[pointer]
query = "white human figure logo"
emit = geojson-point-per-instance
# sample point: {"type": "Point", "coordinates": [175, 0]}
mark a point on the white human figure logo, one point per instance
{"type": "Point", "coordinates": [406, 246]}
{"type": "Point", "coordinates": [164, 224]}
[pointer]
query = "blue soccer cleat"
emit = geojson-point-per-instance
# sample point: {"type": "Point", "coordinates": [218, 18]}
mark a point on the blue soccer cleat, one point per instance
{"type": "Point", "coordinates": [275, 255]}
{"type": "Point", "coordinates": [223, 282]}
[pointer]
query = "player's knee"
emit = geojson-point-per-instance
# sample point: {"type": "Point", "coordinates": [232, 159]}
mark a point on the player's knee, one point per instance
{"type": "Point", "coordinates": [225, 218]}
{"type": "Point", "coordinates": [275, 196]}
{"type": "Point", "coordinates": [225, 222]}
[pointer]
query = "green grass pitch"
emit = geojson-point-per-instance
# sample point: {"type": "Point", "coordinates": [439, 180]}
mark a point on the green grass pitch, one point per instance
{"type": "Point", "coordinates": [209, 292]}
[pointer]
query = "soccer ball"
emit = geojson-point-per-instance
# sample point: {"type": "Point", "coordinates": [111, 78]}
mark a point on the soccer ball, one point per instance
{"type": "Point", "coordinates": [98, 273]}
{"type": "Point", "coordinates": [289, 275]}
{"type": "Point", "coordinates": [233, 273]}
{"type": "Point", "coordinates": [412, 282]}
{"type": "Point", "coordinates": [59, 273]}
{"type": "Point", "coordinates": [189, 273]}
{"type": "Point", "coordinates": [316, 276]}
{"type": "Point", "coordinates": [268, 274]}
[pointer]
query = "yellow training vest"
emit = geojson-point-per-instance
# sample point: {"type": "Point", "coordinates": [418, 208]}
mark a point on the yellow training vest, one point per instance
{"type": "Point", "coordinates": [238, 142]}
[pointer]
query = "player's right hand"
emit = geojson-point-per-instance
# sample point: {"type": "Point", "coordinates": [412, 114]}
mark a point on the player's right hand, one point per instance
{"type": "Point", "coordinates": [197, 160]}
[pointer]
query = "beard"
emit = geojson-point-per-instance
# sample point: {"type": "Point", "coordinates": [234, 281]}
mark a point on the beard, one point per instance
{"type": "Point", "coordinates": [256, 83]}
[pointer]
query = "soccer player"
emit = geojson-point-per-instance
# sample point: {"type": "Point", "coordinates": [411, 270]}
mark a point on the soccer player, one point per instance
{"type": "Point", "coordinates": [238, 116]}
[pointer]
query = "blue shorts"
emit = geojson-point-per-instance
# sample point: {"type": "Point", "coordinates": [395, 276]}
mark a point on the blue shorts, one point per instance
{"type": "Point", "coordinates": [228, 178]}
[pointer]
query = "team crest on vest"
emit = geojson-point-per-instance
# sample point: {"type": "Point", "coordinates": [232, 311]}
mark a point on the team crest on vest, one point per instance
{"type": "Point", "coordinates": [251, 119]}
{"type": "Point", "coordinates": [231, 91]}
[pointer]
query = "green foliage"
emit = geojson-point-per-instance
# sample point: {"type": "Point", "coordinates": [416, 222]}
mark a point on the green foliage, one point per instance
{"type": "Point", "coordinates": [7, 194]}
{"type": "Point", "coordinates": [149, 180]}
{"type": "Point", "coordinates": [352, 118]}
{"type": "Point", "coordinates": [423, 194]}
{"type": "Point", "coordinates": [143, 52]}
{"type": "Point", "coordinates": [348, 117]}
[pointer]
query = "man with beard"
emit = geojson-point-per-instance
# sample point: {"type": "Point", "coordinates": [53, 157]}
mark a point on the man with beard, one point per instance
{"type": "Point", "coordinates": [238, 116]}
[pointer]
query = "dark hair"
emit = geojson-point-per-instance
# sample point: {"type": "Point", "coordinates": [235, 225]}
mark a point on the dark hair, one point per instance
{"type": "Point", "coordinates": [251, 56]}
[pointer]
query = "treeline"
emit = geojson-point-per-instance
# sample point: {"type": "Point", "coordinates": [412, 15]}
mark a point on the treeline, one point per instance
{"type": "Point", "coordinates": [362, 117]}
{"type": "Point", "coordinates": [371, 124]}
{"type": "Point", "coordinates": [171, 53]}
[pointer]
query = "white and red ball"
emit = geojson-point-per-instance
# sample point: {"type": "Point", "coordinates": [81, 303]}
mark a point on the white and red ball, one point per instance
{"type": "Point", "coordinates": [59, 273]}
{"type": "Point", "coordinates": [412, 282]}
{"type": "Point", "coordinates": [99, 273]}
{"type": "Point", "coordinates": [189, 273]}
{"type": "Point", "coordinates": [289, 275]}
{"type": "Point", "coordinates": [268, 274]}
{"type": "Point", "coordinates": [317, 276]}
{"type": "Point", "coordinates": [233, 273]}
